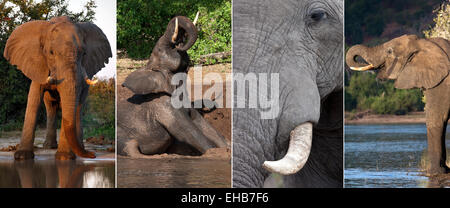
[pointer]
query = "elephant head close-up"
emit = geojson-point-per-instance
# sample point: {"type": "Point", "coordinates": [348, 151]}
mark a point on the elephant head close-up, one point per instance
{"type": "Point", "coordinates": [301, 42]}
{"type": "Point", "coordinates": [60, 57]}
{"type": "Point", "coordinates": [415, 63]}
{"type": "Point", "coordinates": [147, 122]}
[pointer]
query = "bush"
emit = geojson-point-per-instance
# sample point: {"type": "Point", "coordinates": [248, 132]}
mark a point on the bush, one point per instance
{"type": "Point", "coordinates": [99, 111]}
{"type": "Point", "coordinates": [140, 24]}
{"type": "Point", "coordinates": [442, 20]}
{"type": "Point", "coordinates": [366, 93]}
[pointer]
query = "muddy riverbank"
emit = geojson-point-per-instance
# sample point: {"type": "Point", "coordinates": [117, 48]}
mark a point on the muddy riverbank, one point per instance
{"type": "Point", "coordinates": [368, 118]}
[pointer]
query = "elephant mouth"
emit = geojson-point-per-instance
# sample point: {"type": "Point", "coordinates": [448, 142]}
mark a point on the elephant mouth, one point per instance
{"type": "Point", "coordinates": [365, 66]}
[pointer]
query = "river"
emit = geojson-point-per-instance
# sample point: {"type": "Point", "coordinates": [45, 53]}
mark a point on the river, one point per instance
{"type": "Point", "coordinates": [387, 156]}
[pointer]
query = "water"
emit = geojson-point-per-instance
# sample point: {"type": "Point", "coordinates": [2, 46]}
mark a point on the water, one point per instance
{"type": "Point", "coordinates": [46, 172]}
{"type": "Point", "coordinates": [173, 173]}
{"type": "Point", "coordinates": [387, 156]}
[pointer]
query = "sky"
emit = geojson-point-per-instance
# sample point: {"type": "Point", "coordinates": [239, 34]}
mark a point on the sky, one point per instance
{"type": "Point", "coordinates": [105, 19]}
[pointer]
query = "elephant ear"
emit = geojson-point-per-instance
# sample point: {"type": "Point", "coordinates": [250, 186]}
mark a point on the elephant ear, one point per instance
{"type": "Point", "coordinates": [148, 81]}
{"type": "Point", "coordinates": [426, 68]}
{"type": "Point", "coordinates": [96, 47]}
{"type": "Point", "coordinates": [24, 49]}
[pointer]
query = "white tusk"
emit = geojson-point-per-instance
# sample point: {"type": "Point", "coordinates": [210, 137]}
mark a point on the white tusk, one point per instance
{"type": "Point", "coordinates": [175, 32]}
{"type": "Point", "coordinates": [91, 82]}
{"type": "Point", "coordinates": [297, 154]}
{"type": "Point", "coordinates": [364, 68]}
{"type": "Point", "coordinates": [196, 18]}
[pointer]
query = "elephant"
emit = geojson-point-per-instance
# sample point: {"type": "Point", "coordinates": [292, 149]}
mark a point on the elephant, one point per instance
{"type": "Point", "coordinates": [300, 42]}
{"type": "Point", "coordinates": [415, 63]}
{"type": "Point", "coordinates": [147, 123]}
{"type": "Point", "coordinates": [60, 57]}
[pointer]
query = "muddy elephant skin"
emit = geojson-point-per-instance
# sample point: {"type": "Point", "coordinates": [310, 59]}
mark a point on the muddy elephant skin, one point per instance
{"type": "Point", "coordinates": [147, 123]}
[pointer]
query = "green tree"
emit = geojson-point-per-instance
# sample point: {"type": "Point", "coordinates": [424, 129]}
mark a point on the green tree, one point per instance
{"type": "Point", "coordinates": [442, 23]}
{"type": "Point", "coordinates": [13, 84]}
{"type": "Point", "coordinates": [141, 23]}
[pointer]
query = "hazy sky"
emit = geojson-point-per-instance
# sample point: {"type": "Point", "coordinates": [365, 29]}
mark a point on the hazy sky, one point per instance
{"type": "Point", "coordinates": [105, 18]}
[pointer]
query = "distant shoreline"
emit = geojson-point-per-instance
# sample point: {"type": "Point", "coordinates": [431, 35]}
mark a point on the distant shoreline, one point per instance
{"type": "Point", "coordinates": [368, 118]}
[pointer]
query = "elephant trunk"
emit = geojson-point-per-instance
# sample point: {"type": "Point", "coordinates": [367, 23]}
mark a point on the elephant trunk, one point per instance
{"type": "Point", "coordinates": [297, 154]}
{"type": "Point", "coordinates": [68, 93]}
{"type": "Point", "coordinates": [352, 53]}
{"type": "Point", "coordinates": [187, 26]}
{"type": "Point", "coordinates": [370, 54]}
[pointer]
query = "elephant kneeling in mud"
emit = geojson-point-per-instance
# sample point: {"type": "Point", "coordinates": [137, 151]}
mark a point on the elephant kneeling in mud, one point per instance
{"type": "Point", "coordinates": [147, 122]}
{"type": "Point", "coordinates": [415, 63]}
{"type": "Point", "coordinates": [60, 57]}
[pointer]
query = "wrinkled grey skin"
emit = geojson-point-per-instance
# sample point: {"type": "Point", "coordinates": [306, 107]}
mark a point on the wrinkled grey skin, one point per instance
{"type": "Point", "coordinates": [147, 123]}
{"type": "Point", "coordinates": [302, 41]}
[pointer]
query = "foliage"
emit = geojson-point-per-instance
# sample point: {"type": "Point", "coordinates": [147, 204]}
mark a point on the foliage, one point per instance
{"type": "Point", "coordinates": [141, 23]}
{"type": "Point", "coordinates": [364, 92]}
{"type": "Point", "coordinates": [365, 19]}
{"type": "Point", "coordinates": [99, 113]}
{"type": "Point", "coordinates": [13, 84]}
{"type": "Point", "coordinates": [442, 20]}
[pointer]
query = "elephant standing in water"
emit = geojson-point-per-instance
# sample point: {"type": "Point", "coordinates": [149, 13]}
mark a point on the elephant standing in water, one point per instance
{"type": "Point", "coordinates": [301, 42]}
{"type": "Point", "coordinates": [415, 63]}
{"type": "Point", "coordinates": [60, 57]}
{"type": "Point", "coordinates": [147, 123]}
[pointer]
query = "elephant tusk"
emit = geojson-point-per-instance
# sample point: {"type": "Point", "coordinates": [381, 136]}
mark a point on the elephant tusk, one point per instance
{"type": "Point", "coordinates": [196, 18]}
{"type": "Point", "coordinates": [50, 80]}
{"type": "Point", "coordinates": [364, 68]}
{"type": "Point", "coordinates": [297, 154]}
{"type": "Point", "coordinates": [175, 32]}
{"type": "Point", "coordinates": [91, 82]}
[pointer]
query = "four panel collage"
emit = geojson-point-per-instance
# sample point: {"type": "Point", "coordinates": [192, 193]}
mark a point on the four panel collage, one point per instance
{"type": "Point", "coordinates": [224, 94]}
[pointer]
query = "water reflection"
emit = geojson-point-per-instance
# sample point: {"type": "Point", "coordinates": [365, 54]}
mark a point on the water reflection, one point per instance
{"type": "Point", "coordinates": [173, 173]}
{"type": "Point", "coordinates": [388, 156]}
{"type": "Point", "coordinates": [56, 174]}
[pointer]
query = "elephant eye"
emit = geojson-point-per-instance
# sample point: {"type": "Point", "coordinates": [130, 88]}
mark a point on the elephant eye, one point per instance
{"type": "Point", "coordinates": [390, 50]}
{"type": "Point", "coordinates": [51, 52]}
{"type": "Point", "coordinates": [318, 15]}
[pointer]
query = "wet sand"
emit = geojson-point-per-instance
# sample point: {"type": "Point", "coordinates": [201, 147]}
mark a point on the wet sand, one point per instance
{"type": "Point", "coordinates": [367, 118]}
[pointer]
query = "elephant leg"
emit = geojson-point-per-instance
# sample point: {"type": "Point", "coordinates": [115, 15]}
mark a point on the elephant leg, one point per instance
{"type": "Point", "coordinates": [78, 126]}
{"type": "Point", "coordinates": [25, 150]}
{"type": "Point", "coordinates": [180, 125]}
{"type": "Point", "coordinates": [437, 113]}
{"type": "Point", "coordinates": [64, 152]}
{"type": "Point", "coordinates": [207, 129]}
{"type": "Point", "coordinates": [157, 143]}
{"type": "Point", "coordinates": [50, 107]}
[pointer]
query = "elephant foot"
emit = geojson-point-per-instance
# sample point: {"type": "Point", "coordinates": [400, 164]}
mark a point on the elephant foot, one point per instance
{"type": "Point", "coordinates": [24, 155]}
{"type": "Point", "coordinates": [65, 156]}
{"type": "Point", "coordinates": [50, 145]}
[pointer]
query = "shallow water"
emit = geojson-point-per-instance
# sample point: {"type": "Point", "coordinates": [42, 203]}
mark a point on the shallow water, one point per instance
{"type": "Point", "coordinates": [46, 172]}
{"type": "Point", "coordinates": [387, 156]}
{"type": "Point", "coordinates": [173, 173]}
